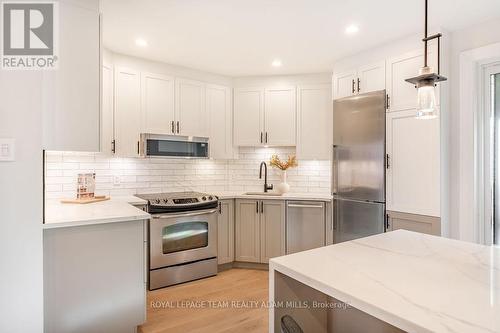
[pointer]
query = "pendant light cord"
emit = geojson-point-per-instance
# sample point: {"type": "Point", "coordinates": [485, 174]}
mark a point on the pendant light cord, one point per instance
{"type": "Point", "coordinates": [426, 33]}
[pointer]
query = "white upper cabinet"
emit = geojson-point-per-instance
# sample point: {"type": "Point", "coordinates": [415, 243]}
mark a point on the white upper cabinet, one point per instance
{"type": "Point", "coordinates": [344, 84]}
{"type": "Point", "coordinates": [314, 125]}
{"type": "Point", "coordinates": [158, 103]}
{"type": "Point", "coordinates": [403, 95]}
{"type": "Point", "coordinates": [219, 113]}
{"type": "Point", "coordinates": [71, 118]}
{"type": "Point", "coordinates": [413, 174]}
{"type": "Point", "coordinates": [371, 77]}
{"type": "Point", "coordinates": [107, 113]}
{"type": "Point", "coordinates": [127, 112]}
{"type": "Point", "coordinates": [280, 116]}
{"type": "Point", "coordinates": [190, 108]}
{"type": "Point", "coordinates": [362, 80]}
{"type": "Point", "coordinates": [248, 116]}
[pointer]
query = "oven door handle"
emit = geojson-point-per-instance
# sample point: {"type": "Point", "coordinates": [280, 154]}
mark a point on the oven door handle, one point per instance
{"type": "Point", "coordinates": [174, 216]}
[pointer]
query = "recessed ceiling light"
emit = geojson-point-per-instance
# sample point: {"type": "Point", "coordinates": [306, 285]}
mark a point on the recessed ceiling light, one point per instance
{"type": "Point", "coordinates": [141, 42]}
{"type": "Point", "coordinates": [276, 63]}
{"type": "Point", "coordinates": [352, 29]}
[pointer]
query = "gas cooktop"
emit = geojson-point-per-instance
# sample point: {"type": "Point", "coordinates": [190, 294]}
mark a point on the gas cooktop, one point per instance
{"type": "Point", "coordinates": [179, 201]}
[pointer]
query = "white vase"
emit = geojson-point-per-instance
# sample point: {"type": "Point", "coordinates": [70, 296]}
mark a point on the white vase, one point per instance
{"type": "Point", "coordinates": [283, 187]}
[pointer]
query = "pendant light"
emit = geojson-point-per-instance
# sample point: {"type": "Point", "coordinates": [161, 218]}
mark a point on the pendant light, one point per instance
{"type": "Point", "coordinates": [426, 81]}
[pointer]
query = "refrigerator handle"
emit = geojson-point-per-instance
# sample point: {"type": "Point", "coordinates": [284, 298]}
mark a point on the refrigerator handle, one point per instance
{"type": "Point", "coordinates": [334, 169]}
{"type": "Point", "coordinates": [334, 215]}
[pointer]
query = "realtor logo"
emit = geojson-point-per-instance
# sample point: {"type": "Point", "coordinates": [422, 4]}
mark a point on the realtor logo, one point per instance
{"type": "Point", "coordinates": [29, 38]}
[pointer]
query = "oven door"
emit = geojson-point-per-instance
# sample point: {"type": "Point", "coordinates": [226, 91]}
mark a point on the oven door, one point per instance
{"type": "Point", "coordinates": [181, 238]}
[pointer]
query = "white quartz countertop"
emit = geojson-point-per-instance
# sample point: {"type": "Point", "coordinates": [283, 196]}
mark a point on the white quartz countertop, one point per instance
{"type": "Point", "coordinates": [117, 209]}
{"type": "Point", "coordinates": [416, 282]}
{"type": "Point", "coordinates": [275, 196]}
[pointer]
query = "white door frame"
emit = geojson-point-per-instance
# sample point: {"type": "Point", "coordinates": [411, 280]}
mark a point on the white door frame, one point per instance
{"type": "Point", "coordinates": [471, 141]}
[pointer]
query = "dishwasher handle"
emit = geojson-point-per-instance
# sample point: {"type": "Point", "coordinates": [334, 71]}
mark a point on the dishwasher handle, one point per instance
{"type": "Point", "coordinates": [305, 206]}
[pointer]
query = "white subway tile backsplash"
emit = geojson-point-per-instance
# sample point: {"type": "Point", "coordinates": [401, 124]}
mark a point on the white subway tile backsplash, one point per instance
{"type": "Point", "coordinates": [170, 175]}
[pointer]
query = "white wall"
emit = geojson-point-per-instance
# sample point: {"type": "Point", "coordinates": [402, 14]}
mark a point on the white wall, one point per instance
{"type": "Point", "coordinates": [21, 252]}
{"type": "Point", "coordinates": [469, 38]}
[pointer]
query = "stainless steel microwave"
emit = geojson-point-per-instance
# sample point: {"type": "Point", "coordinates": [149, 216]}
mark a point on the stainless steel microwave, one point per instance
{"type": "Point", "coordinates": [174, 146]}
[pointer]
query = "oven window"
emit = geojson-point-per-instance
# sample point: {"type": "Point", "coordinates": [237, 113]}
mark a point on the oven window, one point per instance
{"type": "Point", "coordinates": [185, 236]}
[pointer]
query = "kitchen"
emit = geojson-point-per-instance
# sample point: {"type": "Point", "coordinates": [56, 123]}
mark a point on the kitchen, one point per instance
{"type": "Point", "coordinates": [205, 168]}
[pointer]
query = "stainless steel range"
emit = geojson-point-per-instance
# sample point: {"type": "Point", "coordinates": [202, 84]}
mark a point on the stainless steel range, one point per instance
{"type": "Point", "coordinates": [182, 237]}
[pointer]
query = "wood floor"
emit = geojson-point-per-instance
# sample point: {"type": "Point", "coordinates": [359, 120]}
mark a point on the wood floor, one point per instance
{"type": "Point", "coordinates": [224, 303]}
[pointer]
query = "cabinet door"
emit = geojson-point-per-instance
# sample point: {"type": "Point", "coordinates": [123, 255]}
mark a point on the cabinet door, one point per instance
{"type": "Point", "coordinates": [417, 223]}
{"type": "Point", "coordinates": [371, 77]}
{"type": "Point", "coordinates": [158, 105]}
{"type": "Point", "coordinates": [221, 121]}
{"type": "Point", "coordinates": [272, 229]}
{"type": "Point", "coordinates": [314, 126]}
{"type": "Point", "coordinates": [127, 112]}
{"type": "Point", "coordinates": [190, 108]}
{"type": "Point", "coordinates": [247, 236]}
{"type": "Point", "coordinates": [71, 118]}
{"type": "Point", "coordinates": [107, 107]}
{"type": "Point", "coordinates": [344, 84]}
{"type": "Point", "coordinates": [225, 230]}
{"type": "Point", "coordinates": [248, 116]}
{"type": "Point", "coordinates": [413, 176]}
{"type": "Point", "coordinates": [280, 116]}
{"type": "Point", "coordinates": [403, 95]}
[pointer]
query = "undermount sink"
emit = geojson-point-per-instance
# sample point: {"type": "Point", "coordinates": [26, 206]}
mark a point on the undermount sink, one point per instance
{"type": "Point", "coordinates": [274, 194]}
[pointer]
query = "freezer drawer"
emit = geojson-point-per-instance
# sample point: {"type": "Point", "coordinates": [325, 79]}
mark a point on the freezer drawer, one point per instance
{"type": "Point", "coordinates": [357, 219]}
{"type": "Point", "coordinates": [305, 225]}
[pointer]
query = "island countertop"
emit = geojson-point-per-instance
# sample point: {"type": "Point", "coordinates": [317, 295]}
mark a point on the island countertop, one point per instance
{"type": "Point", "coordinates": [416, 282]}
{"type": "Point", "coordinates": [117, 209]}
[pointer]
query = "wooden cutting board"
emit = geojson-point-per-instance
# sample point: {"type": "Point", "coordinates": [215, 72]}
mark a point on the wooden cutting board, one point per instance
{"type": "Point", "coordinates": [97, 198]}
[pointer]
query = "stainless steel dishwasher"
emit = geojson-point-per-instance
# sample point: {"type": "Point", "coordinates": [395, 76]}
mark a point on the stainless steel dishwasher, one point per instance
{"type": "Point", "coordinates": [305, 225]}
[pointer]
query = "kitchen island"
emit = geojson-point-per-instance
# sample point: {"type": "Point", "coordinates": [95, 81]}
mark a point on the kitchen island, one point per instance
{"type": "Point", "coordinates": [392, 282]}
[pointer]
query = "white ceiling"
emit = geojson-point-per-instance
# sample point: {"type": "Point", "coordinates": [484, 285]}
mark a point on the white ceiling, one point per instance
{"type": "Point", "coordinates": [242, 37]}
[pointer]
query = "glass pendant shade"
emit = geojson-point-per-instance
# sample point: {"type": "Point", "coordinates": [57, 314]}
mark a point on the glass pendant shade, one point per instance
{"type": "Point", "coordinates": [426, 102]}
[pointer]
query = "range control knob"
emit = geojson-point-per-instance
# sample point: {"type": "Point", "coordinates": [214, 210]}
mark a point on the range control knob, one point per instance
{"type": "Point", "coordinates": [165, 200]}
{"type": "Point", "coordinates": [204, 198]}
{"type": "Point", "coordinates": [210, 198]}
{"type": "Point", "coordinates": [157, 201]}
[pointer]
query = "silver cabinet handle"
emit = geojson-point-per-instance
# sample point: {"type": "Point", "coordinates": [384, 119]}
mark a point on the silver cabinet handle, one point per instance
{"type": "Point", "coordinates": [262, 207]}
{"type": "Point", "coordinates": [334, 215]}
{"type": "Point", "coordinates": [175, 216]}
{"type": "Point", "coordinates": [172, 127]}
{"type": "Point", "coordinates": [178, 127]}
{"type": "Point", "coordinates": [304, 206]}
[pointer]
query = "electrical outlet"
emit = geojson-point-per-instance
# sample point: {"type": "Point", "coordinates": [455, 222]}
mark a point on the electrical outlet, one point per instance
{"type": "Point", "coordinates": [117, 180]}
{"type": "Point", "coordinates": [7, 149]}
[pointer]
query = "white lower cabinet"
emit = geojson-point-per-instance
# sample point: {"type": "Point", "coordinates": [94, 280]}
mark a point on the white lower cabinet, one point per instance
{"type": "Point", "coordinates": [127, 120]}
{"type": "Point", "coordinates": [260, 230]}
{"type": "Point", "coordinates": [419, 223]}
{"type": "Point", "coordinates": [413, 173]}
{"type": "Point", "coordinates": [225, 232]}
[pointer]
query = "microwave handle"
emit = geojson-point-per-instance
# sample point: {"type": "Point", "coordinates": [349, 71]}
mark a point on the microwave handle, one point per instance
{"type": "Point", "coordinates": [174, 216]}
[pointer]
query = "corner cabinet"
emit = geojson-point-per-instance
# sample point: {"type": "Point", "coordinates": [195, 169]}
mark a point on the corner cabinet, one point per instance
{"type": "Point", "coordinates": [225, 232]}
{"type": "Point", "coordinates": [71, 94]}
{"type": "Point", "coordinates": [260, 230]}
{"type": "Point", "coordinates": [265, 116]}
{"type": "Point", "coordinates": [314, 122]}
{"type": "Point", "coordinates": [364, 79]}
{"type": "Point", "coordinates": [220, 115]}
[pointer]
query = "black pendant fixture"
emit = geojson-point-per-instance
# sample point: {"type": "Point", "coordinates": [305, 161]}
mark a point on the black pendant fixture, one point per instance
{"type": "Point", "coordinates": [427, 79]}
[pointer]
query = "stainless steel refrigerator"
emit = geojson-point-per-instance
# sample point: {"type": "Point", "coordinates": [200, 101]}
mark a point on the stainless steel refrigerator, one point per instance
{"type": "Point", "coordinates": [358, 166]}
